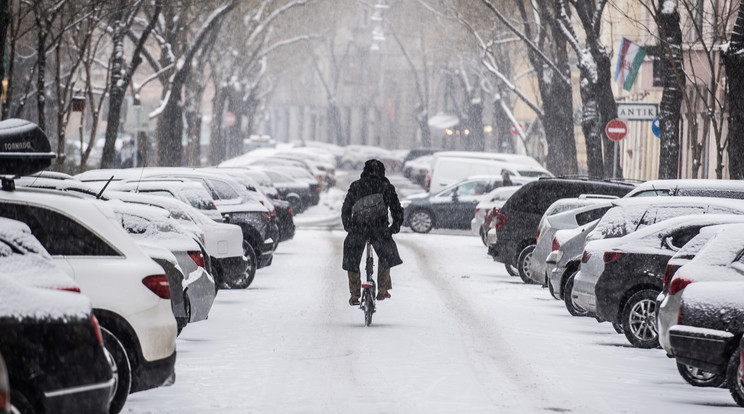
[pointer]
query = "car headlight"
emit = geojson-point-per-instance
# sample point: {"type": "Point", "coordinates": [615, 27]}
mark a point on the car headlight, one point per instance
{"type": "Point", "coordinates": [405, 203]}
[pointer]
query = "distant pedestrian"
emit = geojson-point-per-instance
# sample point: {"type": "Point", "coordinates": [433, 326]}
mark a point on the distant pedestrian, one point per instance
{"type": "Point", "coordinates": [126, 154]}
{"type": "Point", "coordinates": [506, 179]}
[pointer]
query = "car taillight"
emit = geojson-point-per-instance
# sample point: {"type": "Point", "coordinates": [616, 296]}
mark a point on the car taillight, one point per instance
{"type": "Point", "coordinates": [537, 237]}
{"type": "Point", "coordinates": [291, 212]}
{"type": "Point", "coordinates": [276, 196]}
{"type": "Point", "coordinates": [97, 328]}
{"type": "Point", "coordinates": [555, 246]}
{"type": "Point", "coordinates": [198, 257]}
{"type": "Point", "coordinates": [273, 212]}
{"type": "Point", "coordinates": [74, 289]}
{"type": "Point", "coordinates": [477, 210]}
{"type": "Point", "coordinates": [585, 256]}
{"type": "Point", "coordinates": [158, 284]}
{"type": "Point", "coordinates": [677, 284]}
{"type": "Point", "coordinates": [500, 221]}
{"type": "Point", "coordinates": [317, 190]}
{"type": "Point", "coordinates": [266, 215]}
{"type": "Point", "coordinates": [669, 272]}
{"type": "Point", "coordinates": [612, 256]}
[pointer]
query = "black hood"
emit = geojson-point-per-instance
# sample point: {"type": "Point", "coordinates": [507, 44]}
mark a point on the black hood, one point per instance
{"type": "Point", "coordinates": [374, 168]}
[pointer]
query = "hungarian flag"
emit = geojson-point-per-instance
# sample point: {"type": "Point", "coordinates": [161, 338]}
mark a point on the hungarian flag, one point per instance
{"type": "Point", "coordinates": [628, 62]}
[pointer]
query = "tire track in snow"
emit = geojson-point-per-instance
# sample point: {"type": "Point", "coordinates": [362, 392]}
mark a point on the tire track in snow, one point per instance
{"type": "Point", "coordinates": [499, 366]}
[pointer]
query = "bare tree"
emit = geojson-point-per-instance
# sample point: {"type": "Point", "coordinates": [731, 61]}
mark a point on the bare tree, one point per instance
{"type": "Point", "coordinates": [733, 59]}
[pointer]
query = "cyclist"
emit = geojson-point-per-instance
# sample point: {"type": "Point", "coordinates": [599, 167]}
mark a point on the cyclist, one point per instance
{"type": "Point", "coordinates": [365, 218]}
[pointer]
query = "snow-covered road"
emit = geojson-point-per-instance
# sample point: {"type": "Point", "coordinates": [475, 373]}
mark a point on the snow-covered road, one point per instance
{"type": "Point", "coordinates": [458, 336]}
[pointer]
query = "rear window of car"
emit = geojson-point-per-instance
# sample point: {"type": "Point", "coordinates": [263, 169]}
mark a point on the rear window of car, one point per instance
{"type": "Point", "coordinates": [739, 195]}
{"type": "Point", "coordinates": [693, 247]}
{"type": "Point", "coordinates": [59, 234]}
{"type": "Point", "coordinates": [536, 197]}
{"type": "Point", "coordinates": [591, 215]}
{"type": "Point", "coordinates": [223, 190]}
{"type": "Point", "coordinates": [653, 193]}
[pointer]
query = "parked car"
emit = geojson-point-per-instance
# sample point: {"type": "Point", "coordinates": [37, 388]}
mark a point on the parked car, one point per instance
{"type": "Point", "coordinates": [418, 169]}
{"type": "Point", "coordinates": [191, 193]}
{"type": "Point", "coordinates": [356, 155]}
{"type": "Point", "coordinates": [708, 332]}
{"type": "Point", "coordinates": [712, 256]}
{"type": "Point", "coordinates": [563, 261]}
{"type": "Point", "coordinates": [128, 291]}
{"type": "Point", "coordinates": [626, 217]}
{"type": "Point", "coordinates": [515, 226]}
{"type": "Point", "coordinates": [487, 207]}
{"type": "Point", "coordinates": [55, 360]}
{"type": "Point", "coordinates": [298, 194]}
{"type": "Point", "coordinates": [451, 208]}
{"type": "Point", "coordinates": [690, 188]}
{"type": "Point", "coordinates": [153, 225]}
{"type": "Point", "coordinates": [222, 242]}
{"type": "Point", "coordinates": [624, 292]}
{"type": "Point", "coordinates": [565, 213]}
{"type": "Point", "coordinates": [450, 167]}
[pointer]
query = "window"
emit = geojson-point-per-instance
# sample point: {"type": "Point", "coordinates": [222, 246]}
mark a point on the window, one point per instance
{"type": "Point", "coordinates": [680, 237]}
{"type": "Point", "coordinates": [59, 234]}
{"type": "Point", "coordinates": [222, 190]}
{"type": "Point", "coordinates": [653, 193]}
{"type": "Point", "coordinates": [591, 215]}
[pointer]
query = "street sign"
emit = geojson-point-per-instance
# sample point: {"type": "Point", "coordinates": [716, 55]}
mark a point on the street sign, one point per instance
{"type": "Point", "coordinates": [637, 111]}
{"type": "Point", "coordinates": [616, 130]}
{"type": "Point", "coordinates": [514, 130]}
{"type": "Point", "coordinates": [655, 127]}
{"type": "Point", "coordinates": [229, 119]}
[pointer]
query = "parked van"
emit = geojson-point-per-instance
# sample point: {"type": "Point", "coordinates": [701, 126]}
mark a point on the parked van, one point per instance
{"type": "Point", "coordinates": [446, 170]}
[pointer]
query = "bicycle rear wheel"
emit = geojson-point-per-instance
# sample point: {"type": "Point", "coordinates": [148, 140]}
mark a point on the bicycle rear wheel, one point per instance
{"type": "Point", "coordinates": [368, 304]}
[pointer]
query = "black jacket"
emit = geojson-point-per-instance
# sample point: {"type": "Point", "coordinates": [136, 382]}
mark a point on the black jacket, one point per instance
{"type": "Point", "coordinates": [379, 231]}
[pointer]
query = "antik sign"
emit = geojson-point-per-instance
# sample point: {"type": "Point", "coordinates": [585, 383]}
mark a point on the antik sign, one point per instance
{"type": "Point", "coordinates": [637, 111]}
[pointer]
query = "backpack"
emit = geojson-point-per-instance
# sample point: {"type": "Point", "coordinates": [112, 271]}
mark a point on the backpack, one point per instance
{"type": "Point", "coordinates": [369, 208]}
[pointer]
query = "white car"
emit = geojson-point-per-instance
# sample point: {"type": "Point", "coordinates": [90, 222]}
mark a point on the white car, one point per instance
{"type": "Point", "coordinates": [487, 208]}
{"type": "Point", "coordinates": [128, 291]}
{"type": "Point", "coordinates": [222, 241]}
{"type": "Point", "coordinates": [154, 225]}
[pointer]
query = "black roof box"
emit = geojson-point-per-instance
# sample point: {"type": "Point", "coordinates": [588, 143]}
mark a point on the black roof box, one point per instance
{"type": "Point", "coordinates": [24, 148]}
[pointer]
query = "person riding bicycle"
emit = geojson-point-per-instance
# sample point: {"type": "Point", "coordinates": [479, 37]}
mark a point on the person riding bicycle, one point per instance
{"type": "Point", "coordinates": [365, 218]}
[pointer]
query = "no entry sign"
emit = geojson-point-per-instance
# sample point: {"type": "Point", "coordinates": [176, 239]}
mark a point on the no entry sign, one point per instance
{"type": "Point", "coordinates": [616, 130]}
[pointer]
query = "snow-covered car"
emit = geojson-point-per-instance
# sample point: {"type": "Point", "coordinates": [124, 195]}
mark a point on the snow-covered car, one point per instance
{"type": "Point", "coordinates": [418, 169]}
{"type": "Point", "coordinates": [52, 343]}
{"type": "Point", "coordinates": [153, 225]}
{"type": "Point", "coordinates": [189, 192]}
{"type": "Point", "coordinates": [628, 215]}
{"type": "Point", "coordinates": [487, 207]}
{"type": "Point", "coordinates": [716, 254]}
{"type": "Point", "coordinates": [128, 291]}
{"type": "Point", "coordinates": [565, 213]}
{"type": "Point", "coordinates": [563, 261]}
{"type": "Point", "coordinates": [690, 188]}
{"type": "Point", "coordinates": [356, 155]}
{"type": "Point", "coordinates": [221, 241]}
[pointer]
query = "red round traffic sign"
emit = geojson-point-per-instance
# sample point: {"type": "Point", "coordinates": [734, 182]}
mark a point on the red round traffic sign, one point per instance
{"type": "Point", "coordinates": [514, 131]}
{"type": "Point", "coordinates": [229, 119]}
{"type": "Point", "coordinates": [616, 129]}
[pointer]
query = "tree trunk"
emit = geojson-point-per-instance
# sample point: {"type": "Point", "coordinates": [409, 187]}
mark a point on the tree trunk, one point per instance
{"type": "Point", "coordinates": [607, 109]}
{"type": "Point", "coordinates": [41, 74]}
{"type": "Point", "coordinates": [671, 100]}
{"type": "Point", "coordinates": [502, 130]}
{"type": "Point", "coordinates": [216, 139]}
{"type": "Point", "coordinates": [733, 59]}
{"type": "Point", "coordinates": [476, 140]}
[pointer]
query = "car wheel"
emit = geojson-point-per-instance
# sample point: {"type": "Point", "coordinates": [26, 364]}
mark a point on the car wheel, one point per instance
{"type": "Point", "coordinates": [249, 254]}
{"type": "Point", "coordinates": [421, 221]}
{"type": "Point", "coordinates": [121, 369]}
{"type": "Point", "coordinates": [639, 319]}
{"type": "Point", "coordinates": [733, 377]}
{"type": "Point", "coordinates": [19, 403]}
{"type": "Point", "coordinates": [699, 378]}
{"type": "Point", "coordinates": [572, 308]}
{"type": "Point", "coordinates": [511, 270]}
{"type": "Point", "coordinates": [524, 260]}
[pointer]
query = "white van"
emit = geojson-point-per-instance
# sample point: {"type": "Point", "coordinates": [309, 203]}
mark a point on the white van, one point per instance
{"type": "Point", "coordinates": [446, 170]}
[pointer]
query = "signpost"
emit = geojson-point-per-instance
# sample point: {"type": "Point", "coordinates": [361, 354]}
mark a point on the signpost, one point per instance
{"type": "Point", "coordinates": [616, 130]}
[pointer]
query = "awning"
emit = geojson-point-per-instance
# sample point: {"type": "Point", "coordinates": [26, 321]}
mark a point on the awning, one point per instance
{"type": "Point", "coordinates": [443, 121]}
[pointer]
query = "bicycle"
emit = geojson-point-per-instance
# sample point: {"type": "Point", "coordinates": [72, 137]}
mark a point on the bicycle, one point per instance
{"type": "Point", "coordinates": [368, 302]}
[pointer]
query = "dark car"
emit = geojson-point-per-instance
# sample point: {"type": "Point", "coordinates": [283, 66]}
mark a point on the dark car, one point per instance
{"type": "Point", "coordinates": [516, 223]}
{"type": "Point", "coordinates": [297, 193]}
{"type": "Point", "coordinates": [453, 207]}
{"type": "Point", "coordinates": [634, 270]}
{"type": "Point", "coordinates": [51, 342]}
{"type": "Point", "coordinates": [709, 331]}
{"type": "Point", "coordinates": [420, 152]}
